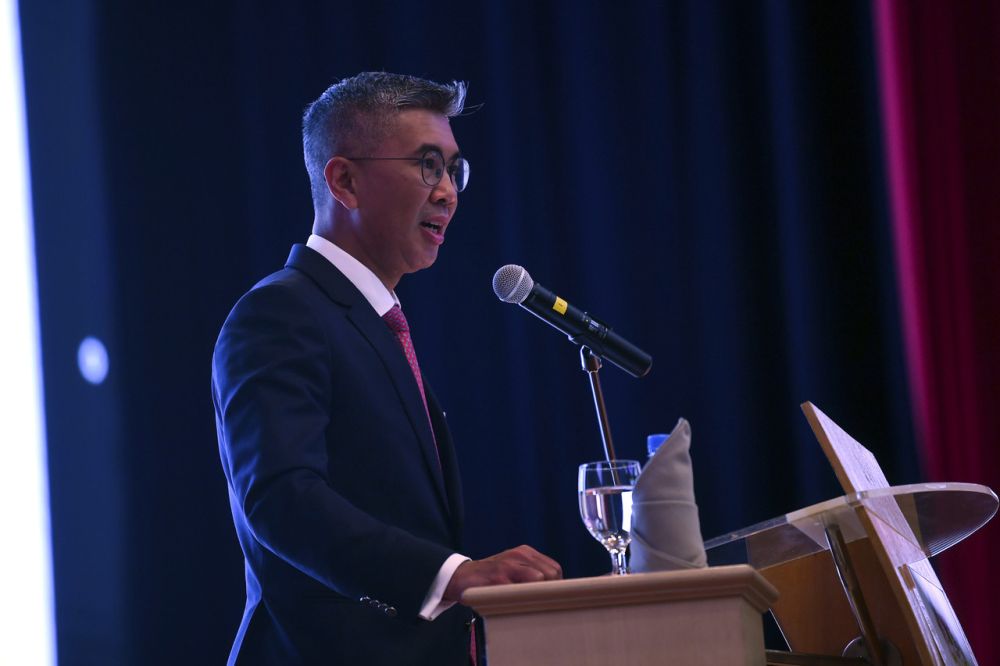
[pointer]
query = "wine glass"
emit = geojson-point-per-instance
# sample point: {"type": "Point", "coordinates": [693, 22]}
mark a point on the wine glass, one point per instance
{"type": "Point", "coordinates": [605, 492]}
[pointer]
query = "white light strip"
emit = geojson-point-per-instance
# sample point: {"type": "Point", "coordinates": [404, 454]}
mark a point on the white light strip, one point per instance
{"type": "Point", "coordinates": [26, 600]}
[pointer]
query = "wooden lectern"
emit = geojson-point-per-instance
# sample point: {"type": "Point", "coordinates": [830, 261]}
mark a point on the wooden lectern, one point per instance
{"type": "Point", "coordinates": [697, 617]}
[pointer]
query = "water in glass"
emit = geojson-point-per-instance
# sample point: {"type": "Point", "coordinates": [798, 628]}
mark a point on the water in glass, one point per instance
{"type": "Point", "coordinates": [605, 494]}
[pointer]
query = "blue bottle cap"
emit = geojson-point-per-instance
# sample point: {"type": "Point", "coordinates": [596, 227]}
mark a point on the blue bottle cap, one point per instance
{"type": "Point", "coordinates": [654, 442]}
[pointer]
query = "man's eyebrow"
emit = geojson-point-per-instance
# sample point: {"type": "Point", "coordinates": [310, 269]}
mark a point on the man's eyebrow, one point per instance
{"type": "Point", "coordinates": [433, 146]}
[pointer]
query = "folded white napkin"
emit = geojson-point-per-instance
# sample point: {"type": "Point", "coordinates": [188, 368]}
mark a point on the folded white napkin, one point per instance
{"type": "Point", "coordinates": [665, 530]}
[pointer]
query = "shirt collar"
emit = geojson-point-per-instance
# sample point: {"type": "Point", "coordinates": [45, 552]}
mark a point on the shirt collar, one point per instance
{"type": "Point", "coordinates": [380, 298]}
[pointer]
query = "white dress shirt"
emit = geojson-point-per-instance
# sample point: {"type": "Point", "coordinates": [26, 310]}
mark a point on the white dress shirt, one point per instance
{"type": "Point", "coordinates": [382, 300]}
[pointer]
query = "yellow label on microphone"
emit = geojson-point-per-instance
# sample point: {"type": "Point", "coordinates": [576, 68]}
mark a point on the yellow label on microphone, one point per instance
{"type": "Point", "coordinates": [560, 306]}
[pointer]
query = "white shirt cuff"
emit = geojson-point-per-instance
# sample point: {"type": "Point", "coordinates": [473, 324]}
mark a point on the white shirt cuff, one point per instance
{"type": "Point", "coordinates": [433, 606]}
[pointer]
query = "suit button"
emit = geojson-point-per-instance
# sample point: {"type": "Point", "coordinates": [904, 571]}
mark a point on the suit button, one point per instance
{"type": "Point", "coordinates": [365, 599]}
{"type": "Point", "coordinates": [390, 611]}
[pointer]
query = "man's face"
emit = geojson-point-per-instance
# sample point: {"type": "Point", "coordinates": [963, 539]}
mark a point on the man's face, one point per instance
{"type": "Point", "coordinates": [401, 221]}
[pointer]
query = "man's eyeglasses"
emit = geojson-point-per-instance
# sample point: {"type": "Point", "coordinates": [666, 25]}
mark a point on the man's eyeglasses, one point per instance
{"type": "Point", "coordinates": [433, 167]}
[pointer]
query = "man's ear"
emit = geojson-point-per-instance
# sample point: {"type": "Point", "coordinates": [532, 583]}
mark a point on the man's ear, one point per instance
{"type": "Point", "coordinates": [339, 173]}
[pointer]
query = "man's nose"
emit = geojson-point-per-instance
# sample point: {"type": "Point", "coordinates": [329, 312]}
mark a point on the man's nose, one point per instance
{"type": "Point", "coordinates": [444, 193]}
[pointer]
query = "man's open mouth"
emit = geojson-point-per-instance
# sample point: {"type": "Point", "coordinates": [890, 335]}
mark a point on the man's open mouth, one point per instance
{"type": "Point", "coordinates": [432, 226]}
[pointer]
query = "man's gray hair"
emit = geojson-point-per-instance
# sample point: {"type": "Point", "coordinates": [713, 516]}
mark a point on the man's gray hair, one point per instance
{"type": "Point", "coordinates": [352, 116]}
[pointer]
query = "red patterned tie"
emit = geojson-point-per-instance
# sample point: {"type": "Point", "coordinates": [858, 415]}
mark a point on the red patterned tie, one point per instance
{"type": "Point", "coordinates": [397, 324]}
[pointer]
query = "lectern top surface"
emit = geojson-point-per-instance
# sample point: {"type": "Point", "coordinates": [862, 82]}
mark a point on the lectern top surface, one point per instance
{"type": "Point", "coordinates": [929, 518]}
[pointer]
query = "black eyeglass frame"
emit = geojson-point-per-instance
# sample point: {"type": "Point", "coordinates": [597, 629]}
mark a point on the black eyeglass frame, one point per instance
{"type": "Point", "coordinates": [451, 168]}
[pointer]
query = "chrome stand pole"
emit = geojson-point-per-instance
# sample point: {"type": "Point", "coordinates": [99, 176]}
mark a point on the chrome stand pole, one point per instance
{"type": "Point", "coordinates": [591, 363]}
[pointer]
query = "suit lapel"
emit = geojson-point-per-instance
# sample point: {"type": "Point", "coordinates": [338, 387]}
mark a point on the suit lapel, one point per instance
{"type": "Point", "coordinates": [449, 464]}
{"type": "Point", "coordinates": [384, 341]}
{"type": "Point", "coordinates": [371, 326]}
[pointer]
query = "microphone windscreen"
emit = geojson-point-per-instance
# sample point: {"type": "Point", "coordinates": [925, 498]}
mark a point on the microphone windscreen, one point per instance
{"type": "Point", "coordinates": [512, 284]}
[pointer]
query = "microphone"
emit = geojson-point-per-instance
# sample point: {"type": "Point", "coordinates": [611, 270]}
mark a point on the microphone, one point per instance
{"type": "Point", "coordinates": [512, 284]}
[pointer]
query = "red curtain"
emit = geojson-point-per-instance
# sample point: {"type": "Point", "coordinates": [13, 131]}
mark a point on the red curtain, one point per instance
{"type": "Point", "coordinates": [940, 77]}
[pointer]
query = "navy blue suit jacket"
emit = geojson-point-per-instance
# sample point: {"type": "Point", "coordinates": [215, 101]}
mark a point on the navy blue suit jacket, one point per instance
{"type": "Point", "coordinates": [341, 507]}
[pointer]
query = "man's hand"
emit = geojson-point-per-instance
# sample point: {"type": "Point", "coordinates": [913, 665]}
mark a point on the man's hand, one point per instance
{"type": "Point", "coordinates": [523, 564]}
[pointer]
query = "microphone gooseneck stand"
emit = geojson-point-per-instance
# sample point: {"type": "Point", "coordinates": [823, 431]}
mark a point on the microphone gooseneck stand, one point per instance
{"type": "Point", "coordinates": [591, 364]}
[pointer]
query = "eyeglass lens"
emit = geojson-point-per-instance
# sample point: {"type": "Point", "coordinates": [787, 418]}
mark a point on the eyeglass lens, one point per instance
{"type": "Point", "coordinates": [433, 167]}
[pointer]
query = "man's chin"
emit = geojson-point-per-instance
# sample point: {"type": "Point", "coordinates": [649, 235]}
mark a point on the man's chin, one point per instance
{"type": "Point", "coordinates": [429, 257]}
{"type": "Point", "coordinates": [426, 260]}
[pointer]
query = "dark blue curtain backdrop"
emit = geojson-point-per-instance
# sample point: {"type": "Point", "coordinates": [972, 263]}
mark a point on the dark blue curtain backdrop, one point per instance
{"type": "Point", "coordinates": [704, 176]}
